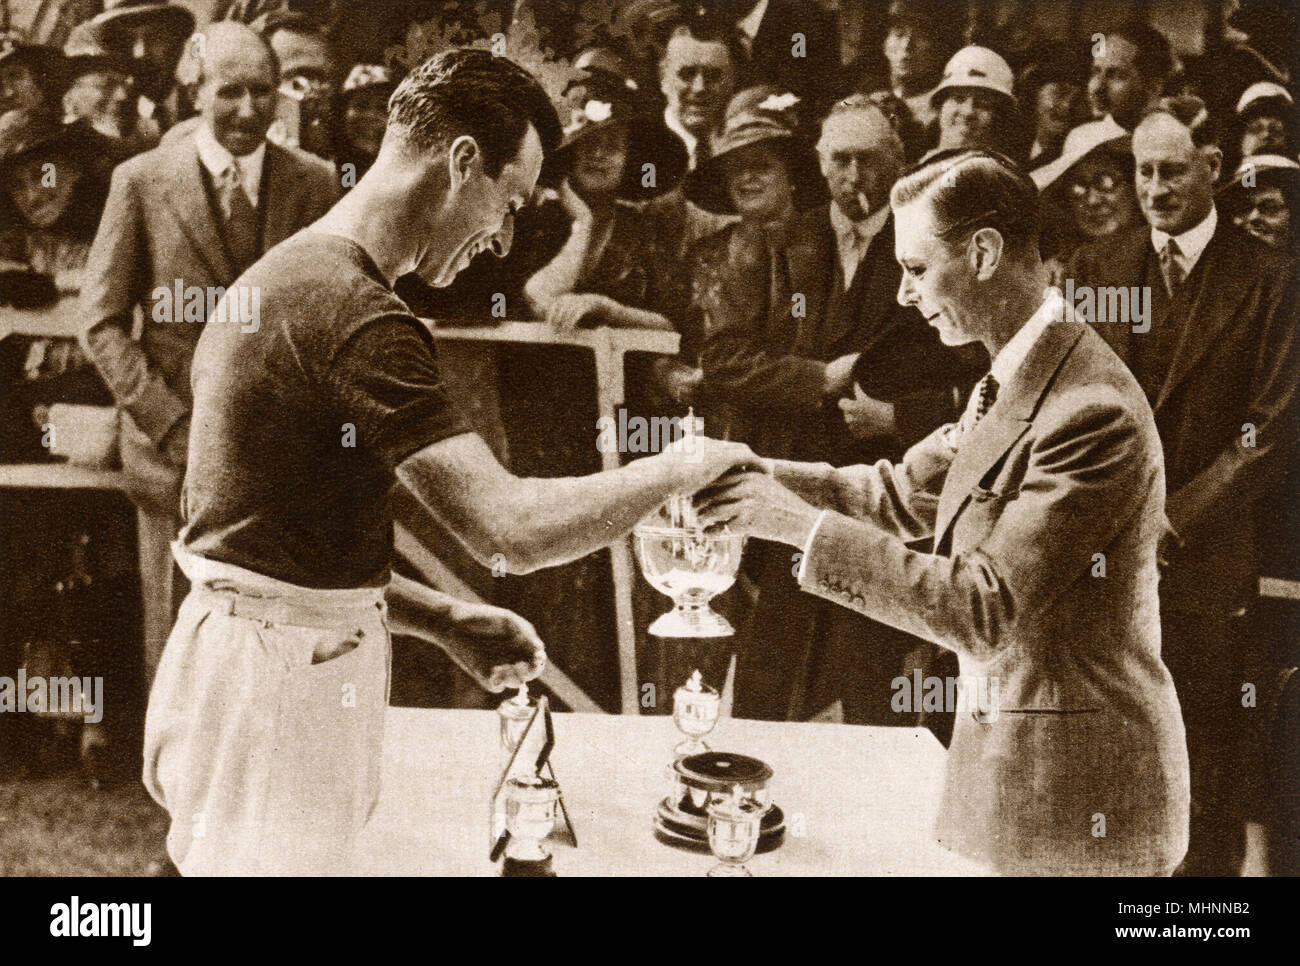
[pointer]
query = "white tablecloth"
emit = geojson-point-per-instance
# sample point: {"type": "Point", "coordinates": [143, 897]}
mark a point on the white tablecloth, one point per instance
{"type": "Point", "coordinates": [864, 799]}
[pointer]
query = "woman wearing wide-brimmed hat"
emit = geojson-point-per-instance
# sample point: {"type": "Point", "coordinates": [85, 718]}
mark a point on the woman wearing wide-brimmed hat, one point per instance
{"type": "Point", "coordinates": [766, 173]}
{"type": "Point", "coordinates": [616, 265]}
{"type": "Point", "coordinates": [1262, 198]}
{"type": "Point", "coordinates": [1088, 191]}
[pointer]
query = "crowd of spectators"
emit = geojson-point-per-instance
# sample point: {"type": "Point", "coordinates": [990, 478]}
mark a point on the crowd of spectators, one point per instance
{"type": "Point", "coordinates": [724, 174]}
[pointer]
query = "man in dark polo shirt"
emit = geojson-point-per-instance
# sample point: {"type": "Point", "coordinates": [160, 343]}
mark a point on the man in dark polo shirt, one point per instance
{"type": "Point", "coordinates": [315, 388]}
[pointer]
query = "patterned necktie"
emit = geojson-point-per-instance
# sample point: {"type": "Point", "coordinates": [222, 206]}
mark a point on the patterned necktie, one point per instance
{"type": "Point", "coordinates": [240, 227]}
{"type": "Point", "coordinates": [986, 396]}
{"type": "Point", "coordinates": [1170, 267]}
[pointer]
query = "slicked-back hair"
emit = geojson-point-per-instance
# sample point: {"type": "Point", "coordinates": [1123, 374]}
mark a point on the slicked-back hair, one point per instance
{"type": "Point", "coordinates": [967, 190]}
{"type": "Point", "coordinates": [710, 29]}
{"type": "Point", "coordinates": [1155, 58]}
{"type": "Point", "coordinates": [1189, 111]}
{"type": "Point", "coordinates": [468, 91]}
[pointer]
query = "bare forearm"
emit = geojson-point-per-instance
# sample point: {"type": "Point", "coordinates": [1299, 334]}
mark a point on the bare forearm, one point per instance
{"type": "Point", "coordinates": [627, 317]}
{"type": "Point", "coordinates": [560, 275]}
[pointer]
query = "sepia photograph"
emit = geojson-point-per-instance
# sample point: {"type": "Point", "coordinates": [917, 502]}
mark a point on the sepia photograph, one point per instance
{"type": "Point", "coordinates": [648, 438]}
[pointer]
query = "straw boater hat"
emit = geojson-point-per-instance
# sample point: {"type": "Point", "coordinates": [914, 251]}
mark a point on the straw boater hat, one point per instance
{"type": "Point", "coordinates": [1264, 97]}
{"type": "Point", "coordinates": [1096, 137]}
{"type": "Point", "coordinates": [981, 69]}
{"type": "Point", "coordinates": [610, 96]}
{"type": "Point", "coordinates": [1262, 171]}
{"type": "Point", "coordinates": [760, 115]}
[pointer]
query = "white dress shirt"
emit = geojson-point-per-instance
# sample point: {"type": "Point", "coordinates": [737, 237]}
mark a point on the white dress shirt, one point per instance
{"type": "Point", "coordinates": [689, 139]}
{"type": "Point", "coordinates": [1191, 243]}
{"type": "Point", "coordinates": [853, 238]}
{"type": "Point", "coordinates": [749, 24]}
{"type": "Point", "coordinates": [1006, 365]}
{"type": "Point", "coordinates": [217, 159]}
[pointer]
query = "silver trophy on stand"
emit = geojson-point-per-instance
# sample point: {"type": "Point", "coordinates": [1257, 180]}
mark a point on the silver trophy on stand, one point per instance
{"type": "Point", "coordinates": [684, 562]}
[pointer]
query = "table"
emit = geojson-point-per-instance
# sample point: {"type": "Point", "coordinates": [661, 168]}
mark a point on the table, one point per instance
{"type": "Point", "coordinates": [864, 798]}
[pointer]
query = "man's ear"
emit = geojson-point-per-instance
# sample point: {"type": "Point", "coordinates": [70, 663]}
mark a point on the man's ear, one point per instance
{"type": "Point", "coordinates": [1214, 158]}
{"type": "Point", "coordinates": [985, 252]}
{"type": "Point", "coordinates": [464, 157]}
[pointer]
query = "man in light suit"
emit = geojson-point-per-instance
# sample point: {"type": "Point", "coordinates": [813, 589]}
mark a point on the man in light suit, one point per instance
{"type": "Point", "coordinates": [195, 212]}
{"type": "Point", "coordinates": [1042, 509]}
{"type": "Point", "coordinates": [788, 374]}
{"type": "Point", "coordinates": [1218, 356]}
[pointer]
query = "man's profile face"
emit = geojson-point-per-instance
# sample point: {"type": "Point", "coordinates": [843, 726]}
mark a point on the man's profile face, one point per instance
{"type": "Point", "coordinates": [938, 282]}
{"type": "Point", "coordinates": [480, 211]}
{"type": "Point", "coordinates": [1174, 178]}
{"type": "Point", "coordinates": [859, 160]}
{"type": "Point", "coordinates": [698, 79]}
{"type": "Point", "coordinates": [237, 94]}
{"type": "Point", "coordinates": [1116, 86]}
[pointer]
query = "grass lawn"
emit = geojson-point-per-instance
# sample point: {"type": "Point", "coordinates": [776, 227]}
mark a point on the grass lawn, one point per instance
{"type": "Point", "coordinates": [60, 826]}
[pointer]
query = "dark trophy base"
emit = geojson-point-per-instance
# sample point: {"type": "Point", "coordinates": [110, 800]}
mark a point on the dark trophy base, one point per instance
{"type": "Point", "coordinates": [527, 868]}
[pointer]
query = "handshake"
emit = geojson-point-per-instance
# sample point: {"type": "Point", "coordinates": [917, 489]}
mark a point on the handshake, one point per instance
{"type": "Point", "coordinates": [734, 487]}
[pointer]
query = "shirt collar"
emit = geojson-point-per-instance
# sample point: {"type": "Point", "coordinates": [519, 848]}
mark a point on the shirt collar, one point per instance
{"type": "Point", "coordinates": [1008, 362]}
{"type": "Point", "coordinates": [689, 139]}
{"type": "Point", "coordinates": [749, 24]}
{"type": "Point", "coordinates": [865, 230]}
{"type": "Point", "coordinates": [217, 159]}
{"type": "Point", "coordinates": [1192, 242]}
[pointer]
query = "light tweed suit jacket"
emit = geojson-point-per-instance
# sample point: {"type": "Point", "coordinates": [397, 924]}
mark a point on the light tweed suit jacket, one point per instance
{"type": "Point", "coordinates": [1082, 769]}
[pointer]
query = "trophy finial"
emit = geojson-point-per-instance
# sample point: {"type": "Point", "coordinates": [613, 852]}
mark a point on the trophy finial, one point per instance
{"type": "Point", "coordinates": [696, 682]}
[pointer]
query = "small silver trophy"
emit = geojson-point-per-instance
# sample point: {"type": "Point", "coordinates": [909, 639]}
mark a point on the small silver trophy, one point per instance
{"type": "Point", "coordinates": [733, 834]}
{"type": "Point", "coordinates": [695, 712]}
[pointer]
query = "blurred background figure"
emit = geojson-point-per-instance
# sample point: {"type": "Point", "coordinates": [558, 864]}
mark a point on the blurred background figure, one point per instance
{"type": "Point", "coordinates": [1264, 122]}
{"type": "Point", "coordinates": [152, 35]}
{"type": "Point", "coordinates": [702, 66]}
{"type": "Point", "coordinates": [976, 104]}
{"type": "Point", "coordinates": [363, 115]}
{"type": "Point", "coordinates": [920, 38]}
{"type": "Point", "coordinates": [1052, 88]}
{"type": "Point", "coordinates": [1130, 65]}
{"type": "Point", "coordinates": [766, 30]}
{"type": "Point", "coordinates": [1087, 192]}
{"type": "Point", "coordinates": [32, 76]}
{"type": "Point", "coordinates": [308, 80]}
{"type": "Point", "coordinates": [101, 89]}
{"type": "Point", "coordinates": [1261, 199]}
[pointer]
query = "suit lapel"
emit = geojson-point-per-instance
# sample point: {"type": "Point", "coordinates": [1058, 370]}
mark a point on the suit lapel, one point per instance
{"type": "Point", "coordinates": [809, 256]}
{"type": "Point", "coordinates": [188, 196]}
{"type": "Point", "coordinates": [875, 284]}
{"type": "Point", "coordinates": [1218, 289]}
{"type": "Point", "coordinates": [279, 197]}
{"type": "Point", "coordinates": [1006, 422]}
{"type": "Point", "coordinates": [1120, 271]}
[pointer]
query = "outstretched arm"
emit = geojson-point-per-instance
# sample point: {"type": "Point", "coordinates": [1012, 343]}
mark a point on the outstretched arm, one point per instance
{"type": "Point", "coordinates": [525, 524]}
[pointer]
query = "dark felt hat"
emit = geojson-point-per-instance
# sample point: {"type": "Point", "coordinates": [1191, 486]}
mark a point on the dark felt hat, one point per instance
{"type": "Point", "coordinates": [607, 96]}
{"type": "Point", "coordinates": [126, 14]}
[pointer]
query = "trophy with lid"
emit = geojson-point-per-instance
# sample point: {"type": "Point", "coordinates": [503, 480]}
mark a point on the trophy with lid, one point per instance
{"type": "Point", "coordinates": [683, 561]}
